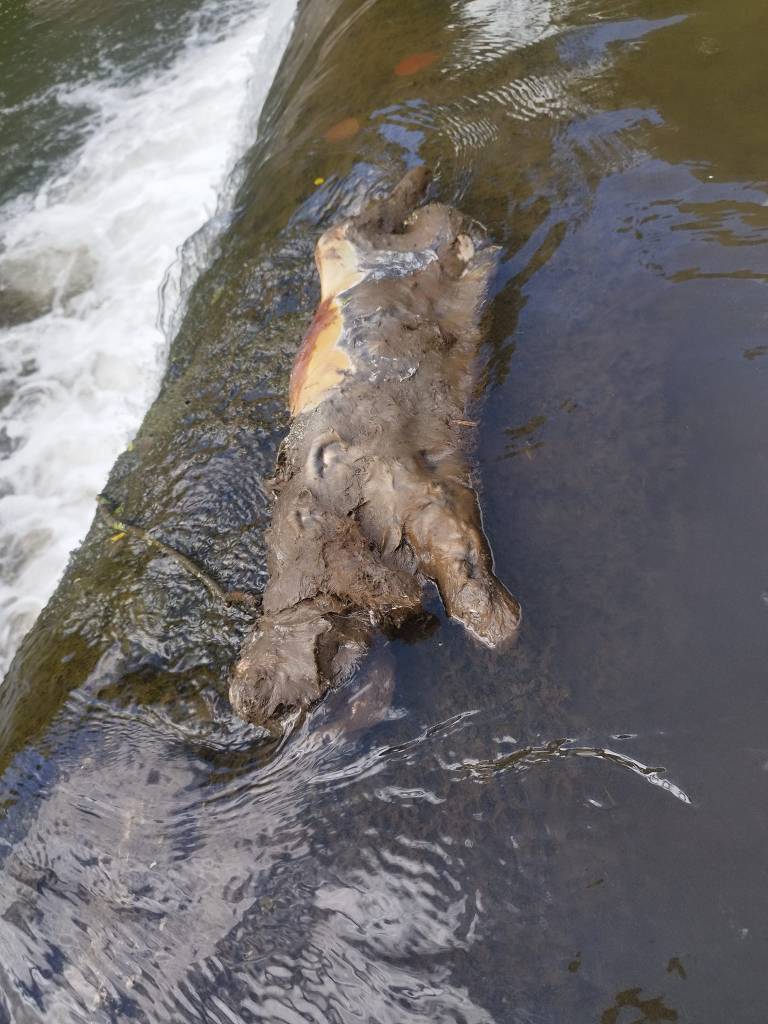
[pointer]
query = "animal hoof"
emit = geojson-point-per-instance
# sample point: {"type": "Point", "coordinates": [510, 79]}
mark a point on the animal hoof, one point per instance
{"type": "Point", "coordinates": [489, 613]}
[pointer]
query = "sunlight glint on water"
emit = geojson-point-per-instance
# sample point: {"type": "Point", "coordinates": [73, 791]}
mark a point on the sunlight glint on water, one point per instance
{"type": "Point", "coordinates": [83, 260]}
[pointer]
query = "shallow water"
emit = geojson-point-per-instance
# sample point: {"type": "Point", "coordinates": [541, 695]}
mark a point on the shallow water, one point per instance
{"type": "Point", "coordinates": [573, 832]}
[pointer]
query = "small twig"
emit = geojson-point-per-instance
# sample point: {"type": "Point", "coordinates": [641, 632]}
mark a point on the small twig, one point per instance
{"type": "Point", "coordinates": [464, 423]}
{"type": "Point", "coordinates": [228, 597]}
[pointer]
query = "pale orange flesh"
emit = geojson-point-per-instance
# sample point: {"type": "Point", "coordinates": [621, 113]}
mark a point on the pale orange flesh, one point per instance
{"type": "Point", "coordinates": [322, 363]}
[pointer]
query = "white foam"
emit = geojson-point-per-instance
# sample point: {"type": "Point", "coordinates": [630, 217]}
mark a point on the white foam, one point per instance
{"type": "Point", "coordinates": [89, 251]}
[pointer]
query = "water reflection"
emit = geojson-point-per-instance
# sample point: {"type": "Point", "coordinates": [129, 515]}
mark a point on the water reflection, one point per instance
{"type": "Point", "coordinates": [489, 29]}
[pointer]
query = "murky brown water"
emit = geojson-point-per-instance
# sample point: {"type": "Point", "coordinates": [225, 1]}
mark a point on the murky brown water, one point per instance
{"type": "Point", "coordinates": [494, 851]}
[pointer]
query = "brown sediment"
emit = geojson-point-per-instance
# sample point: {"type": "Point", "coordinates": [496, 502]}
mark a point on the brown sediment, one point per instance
{"type": "Point", "coordinates": [342, 130]}
{"type": "Point", "coordinates": [373, 489]}
{"type": "Point", "coordinates": [415, 62]}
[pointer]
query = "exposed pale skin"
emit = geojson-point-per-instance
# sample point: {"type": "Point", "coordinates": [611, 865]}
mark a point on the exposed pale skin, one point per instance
{"type": "Point", "coordinates": [373, 486]}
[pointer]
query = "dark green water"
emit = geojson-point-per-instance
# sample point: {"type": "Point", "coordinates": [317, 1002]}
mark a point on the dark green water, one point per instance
{"type": "Point", "coordinates": [161, 862]}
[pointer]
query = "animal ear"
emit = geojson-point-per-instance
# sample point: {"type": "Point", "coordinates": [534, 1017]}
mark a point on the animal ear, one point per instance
{"type": "Point", "coordinates": [460, 307]}
{"type": "Point", "coordinates": [474, 284]}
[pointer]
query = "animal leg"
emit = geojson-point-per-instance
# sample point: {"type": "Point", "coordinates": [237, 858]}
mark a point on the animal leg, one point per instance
{"type": "Point", "coordinates": [292, 658]}
{"type": "Point", "coordinates": [446, 537]}
{"type": "Point", "coordinates": [327, 592]}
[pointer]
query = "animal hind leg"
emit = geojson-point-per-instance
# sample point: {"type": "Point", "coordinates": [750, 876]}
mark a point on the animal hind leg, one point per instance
{"type": "Point", "coordinates": [447, 539]}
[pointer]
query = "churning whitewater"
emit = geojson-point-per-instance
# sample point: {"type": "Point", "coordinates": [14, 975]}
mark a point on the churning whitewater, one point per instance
{"type": "Point", "coordinates": [82, 261]}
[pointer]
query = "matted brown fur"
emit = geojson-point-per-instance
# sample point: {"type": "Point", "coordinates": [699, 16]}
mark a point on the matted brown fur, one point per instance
{"type": "Point", "coordinates": [373, 491]}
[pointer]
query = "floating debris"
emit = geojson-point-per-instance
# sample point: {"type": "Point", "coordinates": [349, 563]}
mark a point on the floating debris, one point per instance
{"type": "Point", "coordinates": [527, 756]}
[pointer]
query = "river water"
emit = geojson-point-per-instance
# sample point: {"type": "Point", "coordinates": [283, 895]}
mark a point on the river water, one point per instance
{"type": "Point", "coordinates": [122, 131]}
{"type": "Point", "coordinates": [571, 833]}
